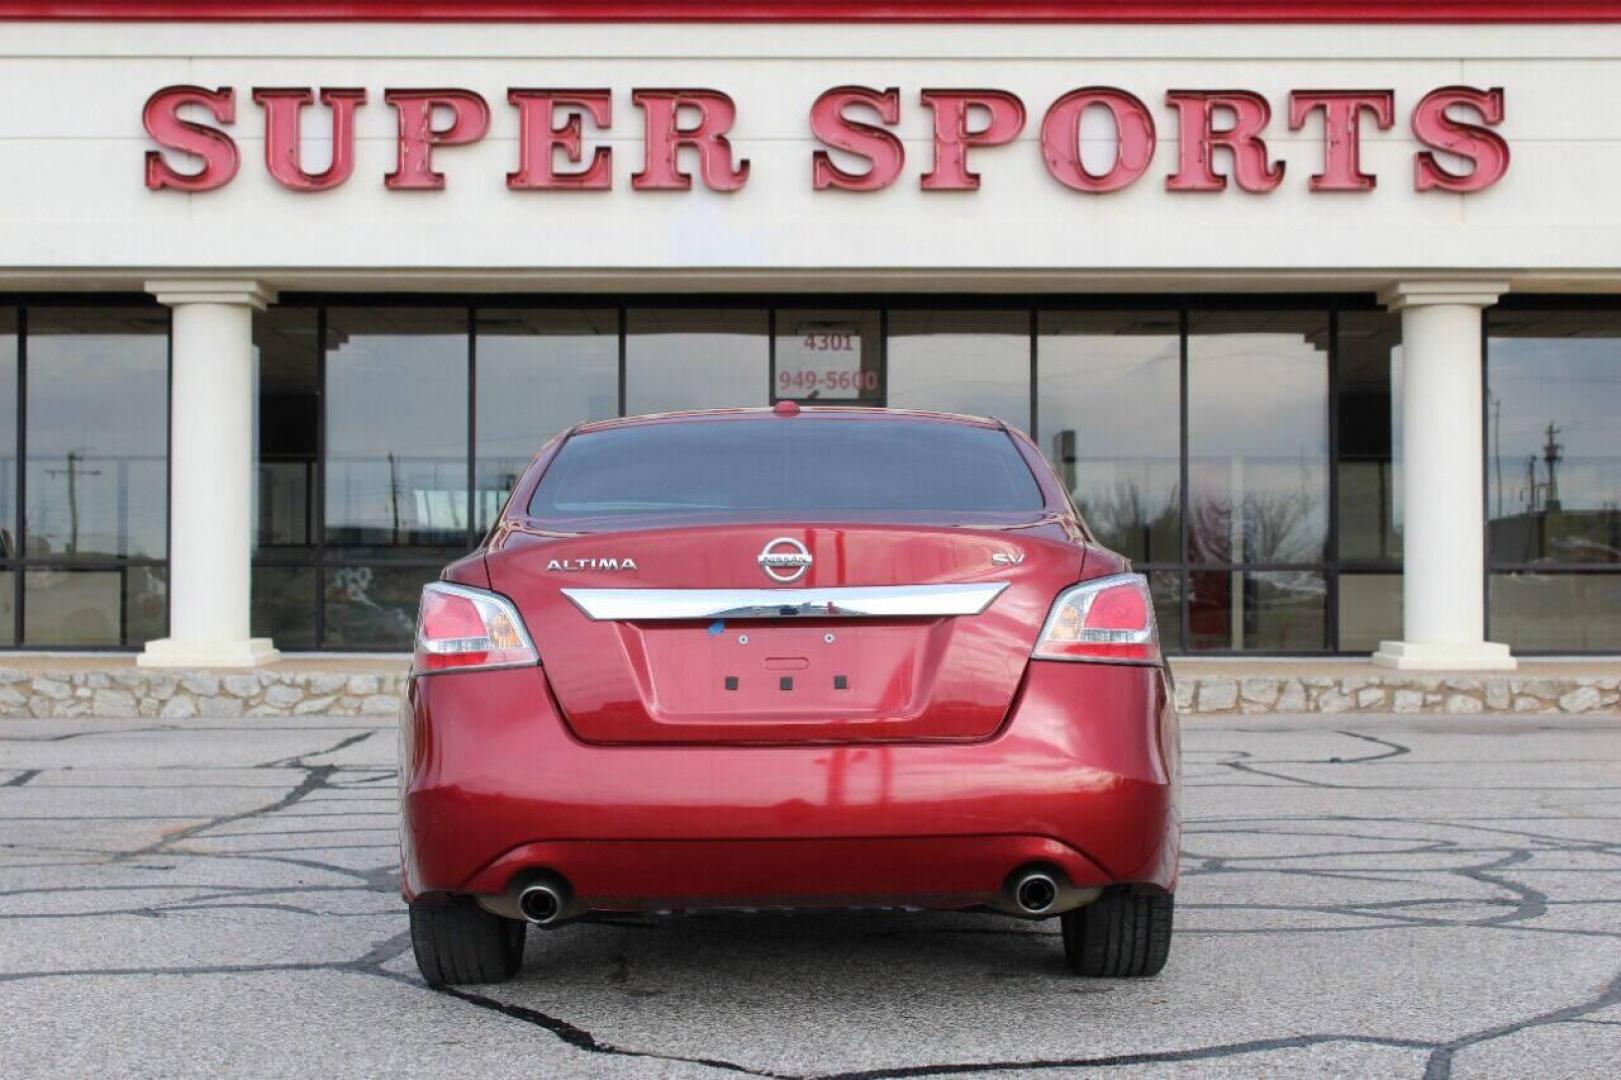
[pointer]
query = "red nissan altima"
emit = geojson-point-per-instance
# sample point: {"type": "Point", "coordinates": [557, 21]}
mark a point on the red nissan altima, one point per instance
{"type": "Point", "coordinates": [785, 658]}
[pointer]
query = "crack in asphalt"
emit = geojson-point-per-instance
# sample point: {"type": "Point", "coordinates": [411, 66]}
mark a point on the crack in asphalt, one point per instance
{"type": "Point", "coordinates": [1392, 749]}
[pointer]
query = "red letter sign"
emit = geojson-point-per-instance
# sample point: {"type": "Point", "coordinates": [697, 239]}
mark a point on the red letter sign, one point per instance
{"type": "Point", "coordinates": [664, 136]}
{"type": "Point", "coordinates": [283, 109]}
{"type": "Point", "coordinates": [952, 137]}
{"type": "Point", "coordinates": [1196, 114]}
{"type": "Point", "coordinates": [217, 149]}
{"type": "Point", "coordinates": [1061, 139]}
{"type": "Point", "coordinates": [832, 128]}
{"type": "Point", "coordinates": [539, 135]}
{"type": "Point", "coordinates": [1435, 129]}
{"type": "Point", "coordinates": [413, 166]}
{"type": "Point", "coordinates": [1342, 132]}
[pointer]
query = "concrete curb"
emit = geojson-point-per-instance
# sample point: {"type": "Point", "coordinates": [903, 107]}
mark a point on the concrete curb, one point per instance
{"type": "Point", "coordinates": [373, 688]}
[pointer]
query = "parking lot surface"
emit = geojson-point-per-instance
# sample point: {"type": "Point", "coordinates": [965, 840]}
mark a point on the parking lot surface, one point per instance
{"type": "Point", "coordinates": [1360, 896]}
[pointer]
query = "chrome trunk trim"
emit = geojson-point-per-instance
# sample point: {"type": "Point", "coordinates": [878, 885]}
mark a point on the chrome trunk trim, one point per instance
{"type": "Point", "coordinates": [844, 602]}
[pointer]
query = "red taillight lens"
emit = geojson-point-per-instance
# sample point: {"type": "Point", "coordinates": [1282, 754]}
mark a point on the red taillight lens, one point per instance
{"type": "Point", "coordinates": [459, 628]}
{"type": "Point", "coordinates": [1110, 618]}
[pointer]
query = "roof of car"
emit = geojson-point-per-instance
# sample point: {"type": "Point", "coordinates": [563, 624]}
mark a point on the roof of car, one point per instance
{"type": "Point", "coordinates": [810, 412]}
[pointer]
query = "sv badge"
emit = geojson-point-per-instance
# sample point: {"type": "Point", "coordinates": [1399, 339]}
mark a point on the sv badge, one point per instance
{"type": "Point", "coordinates": [1007, 558]}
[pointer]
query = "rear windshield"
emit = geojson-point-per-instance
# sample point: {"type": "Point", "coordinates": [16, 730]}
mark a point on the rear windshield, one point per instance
{"type": "Point", "coordinates": [801, 469]}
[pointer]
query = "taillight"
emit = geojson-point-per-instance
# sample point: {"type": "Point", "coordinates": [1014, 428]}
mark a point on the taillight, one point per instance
{"type": "Point", "coordinates": [459, 628]}
{"type": "Point", "coordinates": [1111, 618]}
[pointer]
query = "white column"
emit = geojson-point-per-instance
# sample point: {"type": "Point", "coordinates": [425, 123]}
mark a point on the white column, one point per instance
{"type": "Point", "coordinates": [210, 476]}
{"type": "Point", "coordinates": [1442, 488]}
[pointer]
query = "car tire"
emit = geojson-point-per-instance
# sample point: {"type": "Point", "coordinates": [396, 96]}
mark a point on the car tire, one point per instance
{"type": "Point", "coordinates": [459, 942]}
{"type": "Point", "coordinates": [1121, 933]}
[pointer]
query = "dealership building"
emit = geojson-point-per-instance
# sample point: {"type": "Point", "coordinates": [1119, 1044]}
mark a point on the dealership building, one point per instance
{"type": "Point", "coordinates": [1315, 306]}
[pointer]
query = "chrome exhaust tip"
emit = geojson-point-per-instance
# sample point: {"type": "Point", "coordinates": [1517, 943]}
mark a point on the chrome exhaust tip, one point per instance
{"type": "Point", "coordinates": [540, 904]}
{"type": "Point", "coordinates": [1035, 893]}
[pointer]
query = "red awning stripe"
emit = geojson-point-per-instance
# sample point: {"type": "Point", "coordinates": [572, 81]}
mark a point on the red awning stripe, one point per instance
{"type": "Point", "coordinates": [922, 11]}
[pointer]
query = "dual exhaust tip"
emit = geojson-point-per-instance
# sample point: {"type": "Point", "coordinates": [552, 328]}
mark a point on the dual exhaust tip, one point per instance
{"type": "Point", "coordinates": [1035, 892]}
{"type": "Point", "coordinates": [542, 903]}
{"type": "Point", "coordinates": [1031, 893]}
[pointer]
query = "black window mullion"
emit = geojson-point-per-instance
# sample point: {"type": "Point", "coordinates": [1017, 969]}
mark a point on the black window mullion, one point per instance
{"type": "Point", "coordinates": [472, 426]}
{"type": "Point", "coordinates": [168, 500]}
{"type": "Point", "coordinates": [18, 599]}
{"type": "Point", "coordinates": [320, 477]}
{"type": "Point", "coordinates": [771, 355]}
{"type": "Point", "coordinates": [1332, 574]}
{"type": "Point", "coordinates": [883, 358]}
{"type": "Point", "coordinates": [1182, 482]}
{"type": "Point", "coordinates": [623, 321]}
{"type": "Point", "coordinates": [1485, 488]}
{"type": "Point", "coordinates": [1035, 426]}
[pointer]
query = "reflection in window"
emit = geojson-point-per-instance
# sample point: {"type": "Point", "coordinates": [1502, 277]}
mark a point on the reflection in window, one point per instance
{"type": "Point", "coordinates": [1276, 611]}
{"type": "Point", "coordinates": [98, 417]}
{"type": "Point", "coordinates": [1556, 612]}
{"type": "Point", "coordinates": [1258, 437]}
{"type": "Point", "coordinates": [695, 360]}
{"type": "Point", "coordinates": [539, 373]}
{"type": "Point", "coordinates": [396, 429]}
{"type": "Point", "coordinates": [974, 362]}
{"type": "Point", "coordinates": [1166, 588]}
{"type": "Point", "coordinates": [8, 607]}
{"type": "Point", "coordinates": [288, 428]}
{"type": "Point", "coordinates": [73, 608]}
{"type": "Point", "coordinates": [1553, 411]}
{"type": "Point", "coordinates": [1109, 398]}
{"type": "Point", "coordinates": [828, 357]}
{"type": "Point", "coordinates": [8, 449]}
{"type": "Point", "coordinates": [1368, 394]}
{"type": "Point", "coordinates": [284, 605]}
{"type": "Point", "coordinates": [373, 607]}
{"type": "Point", "coordinates": [1370, 611]}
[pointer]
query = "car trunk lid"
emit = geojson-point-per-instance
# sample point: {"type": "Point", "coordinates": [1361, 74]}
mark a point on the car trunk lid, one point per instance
{"type": "Point", "coordinates": [880, 632]}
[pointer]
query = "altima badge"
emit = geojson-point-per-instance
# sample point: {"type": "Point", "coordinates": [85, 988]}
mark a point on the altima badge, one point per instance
{"type": "Point", "coordinates": [785, 559]}
{"type": "Point", "coordinates": [574, 565]}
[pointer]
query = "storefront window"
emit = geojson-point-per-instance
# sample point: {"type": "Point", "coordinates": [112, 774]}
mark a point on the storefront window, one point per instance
{"type": "Point", "coordinates": [98, 417]}
{"type": "Point", "coordinates": [1370, 611]}
{"type": "Point", "coordinates": [1109, 397]}
{"type": "Point", "coordinates": [396, 430]}
{"type": "Point", "coordinates": [1276, 611]}
{"type": "Point", "coordinates": [827, 357]}
{"type": "Point", "coordinates": [1367, 394]}
{"type": "Point", "coordinates": [695, 359]}
{"type": "Point", "coordinates": [288, 436]}
{"type": "Point", "coordinates": [8, 607]}
{"type": "Point", "coordinates": [95, 528]}
{"type": "Point", "coordinates": [395, 473]}
{"type": "Point", "coordinates": [538, 373]}
{"type": "Point", "coordinates": [1166, 588]}
{"type": "Point", "coordinates": [8, 474]}
{"type": "Point", "coordinates": [1238, 560]}
{"type": "Point", "coordinates": [974, 362]}
{"type": "Point", "coordinates": [1553, 413]}
{"type": "Point", "coordinates": [8, 445]}
{"type": "Point", "coordinates": [1541, 612]}
{"type": "Point", "coordinates": [1258, 437]}
{"type": "Point", "coordinates": [1553, 479]}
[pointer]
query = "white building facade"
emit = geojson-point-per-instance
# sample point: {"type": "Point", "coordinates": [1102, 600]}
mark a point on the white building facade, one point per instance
{"type": "Point", "coordinates": [1314, 306]}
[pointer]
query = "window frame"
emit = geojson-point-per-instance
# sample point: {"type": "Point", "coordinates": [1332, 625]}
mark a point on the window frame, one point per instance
{"type": "Point", "coordinates": [18, 565]}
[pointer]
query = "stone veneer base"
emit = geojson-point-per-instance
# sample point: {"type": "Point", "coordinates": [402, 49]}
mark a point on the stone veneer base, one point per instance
{"type": "Point", "coordinates": [113, 687]}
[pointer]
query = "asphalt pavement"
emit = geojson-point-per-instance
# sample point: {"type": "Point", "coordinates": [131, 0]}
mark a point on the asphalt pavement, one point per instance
{"type": "Point", "coordinates": [1416, 896]}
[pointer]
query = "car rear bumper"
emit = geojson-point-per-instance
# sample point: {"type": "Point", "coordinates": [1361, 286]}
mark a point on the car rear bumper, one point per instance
{"type": "Point", "coordinates": [1082, 777]}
